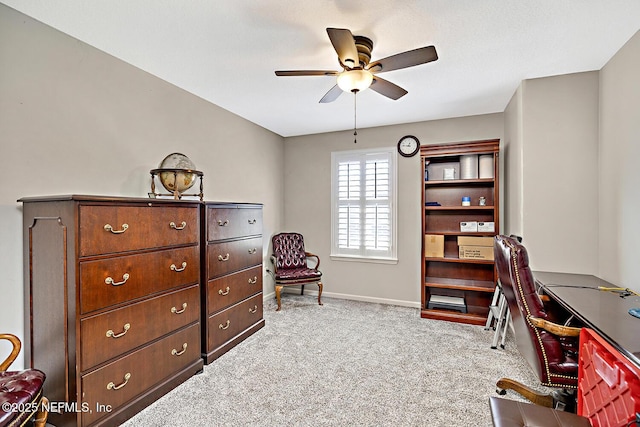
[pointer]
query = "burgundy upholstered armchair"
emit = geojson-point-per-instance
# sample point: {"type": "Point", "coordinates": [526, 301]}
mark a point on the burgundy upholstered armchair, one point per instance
{"type": "Point", "coordinates": [549, 346]}
{"type": "Point", "coordinates": [290, 266]}
{"type": "Point", "coordinates": [21, 396]}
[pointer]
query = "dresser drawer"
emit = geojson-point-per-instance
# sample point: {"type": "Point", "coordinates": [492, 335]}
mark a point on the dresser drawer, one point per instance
{"type": "Point", "coordinates": [118, 331]}
{"type": "Point", "coordinates": [111, 281]}
{"type": "Point", "coordinates": [227, 257]}
{"type": "Point", "coordinates": [228, 223]}
{"type": "Point", "coordinates": [228, 290]}
{"type": "Point", "coordinates": [228, 323]}
{"type": "Point", "coordinates": [113, 229]}
{"type": "Point", "coordinates": [122, 380]}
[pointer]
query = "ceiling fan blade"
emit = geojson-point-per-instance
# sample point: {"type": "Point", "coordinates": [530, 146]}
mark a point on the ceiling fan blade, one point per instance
{"type": "Point", "coordinates": [332, 95]}
{"type": "Point", "coordinates": [307, 73]}
{"type": "Point", "coordinates": [404, 60]}
{"type": "Point", "coordinates": [345, 46]}
{"type": "Point", "coordinates": [386, 88]}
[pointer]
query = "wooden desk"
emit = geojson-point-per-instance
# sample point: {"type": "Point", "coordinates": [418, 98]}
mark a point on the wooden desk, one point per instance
{"type": "Point", "coordinates": [605, 312]}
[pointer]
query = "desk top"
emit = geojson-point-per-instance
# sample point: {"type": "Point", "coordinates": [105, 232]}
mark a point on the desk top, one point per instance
{"type": "Point", "coordinates": [605, 312]}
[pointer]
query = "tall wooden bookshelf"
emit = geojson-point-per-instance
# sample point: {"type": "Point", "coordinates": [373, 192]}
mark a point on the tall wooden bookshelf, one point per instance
{"type": "Point", "coordinates": [469, 283]}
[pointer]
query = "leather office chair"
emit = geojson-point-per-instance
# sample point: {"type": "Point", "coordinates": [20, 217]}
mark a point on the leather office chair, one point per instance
{"type": "Point", "coordinates": [550, 347]}
{"type": "Point", "coordinates": [21, 390]}
{"type": "Point", "coordinates": [290, 266]}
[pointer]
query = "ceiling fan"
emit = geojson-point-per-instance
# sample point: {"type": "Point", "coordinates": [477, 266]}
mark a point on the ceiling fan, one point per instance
{"type": "Point", "coordinates": [354, 56]}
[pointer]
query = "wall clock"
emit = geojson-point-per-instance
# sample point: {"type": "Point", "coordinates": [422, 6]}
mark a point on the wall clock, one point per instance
{"type": "Point", "coordinates": [408, 146]}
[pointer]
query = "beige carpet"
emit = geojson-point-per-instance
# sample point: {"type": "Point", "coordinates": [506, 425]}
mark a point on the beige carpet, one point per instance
{"type": "Point", "coordinates": [346, 363]}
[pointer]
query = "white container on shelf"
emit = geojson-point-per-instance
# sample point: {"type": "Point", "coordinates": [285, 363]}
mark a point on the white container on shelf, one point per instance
{"type": "Point", "coordinates": [487, 226]}
{"type": "Point", "coordinates": [469, 166]}
{"type": "Point", "coordinates": [469, 226]}
{"type": "Point", "coordinates": [485, 166]}
{"type": "Point", "coordinates": [449, 173]}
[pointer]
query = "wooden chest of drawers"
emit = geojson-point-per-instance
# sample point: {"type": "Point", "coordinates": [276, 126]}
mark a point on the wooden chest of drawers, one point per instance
{"type": "Point", "coordinates": [232, 276]}
{"type": "Point", "coordinates": [112, 294]}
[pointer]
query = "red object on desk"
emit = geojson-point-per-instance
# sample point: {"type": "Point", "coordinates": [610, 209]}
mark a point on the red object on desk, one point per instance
{"type": "Point", "coordinates": [608, 383]}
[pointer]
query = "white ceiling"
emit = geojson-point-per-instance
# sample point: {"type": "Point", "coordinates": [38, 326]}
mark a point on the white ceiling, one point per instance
{"type": "Point", "coordinates": [227, 51]}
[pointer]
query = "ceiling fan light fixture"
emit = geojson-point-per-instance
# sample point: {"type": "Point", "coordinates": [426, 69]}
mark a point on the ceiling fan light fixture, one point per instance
{"type": "Point", "coordinates": [354, 80]}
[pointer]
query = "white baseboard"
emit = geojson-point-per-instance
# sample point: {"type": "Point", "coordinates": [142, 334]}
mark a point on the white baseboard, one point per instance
{"type": "Point", "coordinates": [402, 303]}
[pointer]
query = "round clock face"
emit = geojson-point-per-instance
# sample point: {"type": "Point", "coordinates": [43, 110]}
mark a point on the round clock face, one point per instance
{"type": "Point", "coordinates": [408, 146]}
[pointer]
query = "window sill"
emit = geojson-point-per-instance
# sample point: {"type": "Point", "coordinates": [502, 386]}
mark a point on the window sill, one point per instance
{"type": "Point", "coordinates": [353, 258]}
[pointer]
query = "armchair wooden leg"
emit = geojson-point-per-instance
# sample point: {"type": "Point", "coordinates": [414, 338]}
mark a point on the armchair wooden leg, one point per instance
{"type": "Point", "coordinates": [532, 395]}
{"type": "Point", "coordinates": [40, 419]}
{"type": "Point", "coordinates": [319, 292]}
{"type": "Point", "coordinates": [278, 291]}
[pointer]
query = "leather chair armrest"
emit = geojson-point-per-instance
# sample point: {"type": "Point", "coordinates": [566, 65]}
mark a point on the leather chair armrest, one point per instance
{"type": "Point", "coordinates": [275, 265]}
{"type": "Point", "coordinates": [554, 328]}
{"type": "Point", "coordinates": [534, 396]}
{"type": "Point", "coordinates": [17, 345]}
{"type": "Point", "coordinates": [310, 255]}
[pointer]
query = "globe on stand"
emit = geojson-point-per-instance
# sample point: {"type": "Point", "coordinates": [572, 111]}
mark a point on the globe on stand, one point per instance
{"type": "Point", "coordinates": [180, 181]}
{"type": "Point", "coordinates": [177, 174]}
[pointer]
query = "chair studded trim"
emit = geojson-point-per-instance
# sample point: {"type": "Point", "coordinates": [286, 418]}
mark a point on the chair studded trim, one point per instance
{"type": "Point", "coordinates": [514, 259]}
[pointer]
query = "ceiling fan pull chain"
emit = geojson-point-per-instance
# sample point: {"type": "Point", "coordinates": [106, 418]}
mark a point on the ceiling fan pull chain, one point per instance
{"type": "Point", "coordinates": [355, 123]}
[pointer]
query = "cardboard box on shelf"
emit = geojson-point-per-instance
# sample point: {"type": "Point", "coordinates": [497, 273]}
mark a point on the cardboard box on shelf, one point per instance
{"type": "Point", "coordinates": [469, 226]}
{"type": "Point", "coordinates": [475, 241]}
{"type": "Point", "coordinates": [434, 245]}
{"type": "Point", "coordinates": [475, 252]}
{"type": "Point", "coordinates": [486, 226]}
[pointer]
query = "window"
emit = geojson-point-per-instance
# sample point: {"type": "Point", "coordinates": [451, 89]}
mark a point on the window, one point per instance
{"type": "Point", "coordinates": [363, 194]}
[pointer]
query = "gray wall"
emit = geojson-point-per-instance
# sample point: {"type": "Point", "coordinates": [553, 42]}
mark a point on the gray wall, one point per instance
{"type": "Point", "coordinates": [74, 120]}
{"type": "Point", "coordinates": [551, 129]}
{"type": "Point", "coordinates": [560, 178]}
{"type": "Point", "coordinates": [512, 161]}
{"type": "Point", "coordinates": [619, 183]}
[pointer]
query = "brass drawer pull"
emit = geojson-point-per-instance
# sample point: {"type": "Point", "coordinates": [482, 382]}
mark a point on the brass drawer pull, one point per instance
{"type": "Point", "coordinates": [252, 251]}
{"type": "Point", "coordinates": [111, 334]}
{"type": "Point", "coordinates": [252, 221]}
{"type": "Point", "coordinates": [225, 326]}
{"type": "Point", "coordinates": [182, 225]}
{"type": "Point", "coordinates": [223, 223]}
{"type": "Point", "coordinates": [176, 311]}
{"type": "Point", "coordinates": [255, 308]}
{"type": "Point", "coordinates": [179, 353]}
{"type": "Point", "coordinates": [108, 227]}
{"type": "Point", "coordinates": [178, 270]}
{"type": "Point", "coordinates": [112, 386]}
{"type": "Point", "coordinates": [223, 258]}
{"type": "Point", "coordinates": [254, 280]}
{"type": "Point", "coordinates": [226, 291]}
{"type": "Point", "coordinates": [109, 280]}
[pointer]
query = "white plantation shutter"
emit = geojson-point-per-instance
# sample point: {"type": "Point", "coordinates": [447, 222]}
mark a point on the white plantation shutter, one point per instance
{"type": "Point", "coordinates": [377, 232]}
{"type": "Point", "coordinates": [349, 211]}
{"type": "Point", "coordinates": [364, 199]}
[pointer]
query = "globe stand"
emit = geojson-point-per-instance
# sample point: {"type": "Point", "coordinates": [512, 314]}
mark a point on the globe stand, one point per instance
{"type": "Point", "coordinates": [177, 195]}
